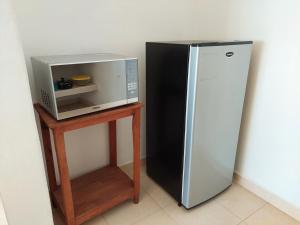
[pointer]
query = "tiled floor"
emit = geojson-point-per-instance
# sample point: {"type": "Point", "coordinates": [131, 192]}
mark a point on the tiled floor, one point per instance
{"type": "Point", "coordinates": [235, 206]}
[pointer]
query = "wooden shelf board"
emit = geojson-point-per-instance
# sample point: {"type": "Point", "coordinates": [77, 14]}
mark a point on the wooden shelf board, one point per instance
{"type": "Point", "coordinates": [87, 120]}
{"type": "Point", "coordinates": [97, 192]}
{"type": "Point", "coordinates": [76, 89]}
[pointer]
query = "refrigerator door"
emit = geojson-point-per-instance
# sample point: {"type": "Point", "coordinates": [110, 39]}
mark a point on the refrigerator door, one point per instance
{"type": "Point", "coordinates": [216, 90]}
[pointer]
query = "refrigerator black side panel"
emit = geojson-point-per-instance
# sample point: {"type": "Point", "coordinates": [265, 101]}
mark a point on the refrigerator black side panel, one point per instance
{"type": "Point", "coordinates": [166, 90]}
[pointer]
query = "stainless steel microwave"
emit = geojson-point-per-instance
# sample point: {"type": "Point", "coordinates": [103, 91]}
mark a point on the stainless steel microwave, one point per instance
{"type": "Point", "coordinates": [114, 82]}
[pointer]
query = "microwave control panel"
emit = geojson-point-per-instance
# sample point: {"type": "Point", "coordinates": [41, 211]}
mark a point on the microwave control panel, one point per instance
{"type": "Point", "coordinates": [132, 78]}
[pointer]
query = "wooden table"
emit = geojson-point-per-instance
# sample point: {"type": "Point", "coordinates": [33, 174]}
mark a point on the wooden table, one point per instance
{"type": "Point", "coordinates": [89, 195]}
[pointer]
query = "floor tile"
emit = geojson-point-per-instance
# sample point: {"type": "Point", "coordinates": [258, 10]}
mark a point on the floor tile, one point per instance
{"type": "Point", "coordinates": [158, 218]}
{"type": "Point", "coordinates": [147, 182]}
{"type": "Point", "coordinates": [269, 215]}
{"type": "Point", "coordinates": [236, 206]}
{"type": "Point", "coordinates": [99, 220]}
{"type": "Point", "coordinates": [157, 193]}
{"type": "Point", "coordinates": [209, 213]}
{"type": "Point", "coordinates": [128, 169]}
{"type": "Point", "coordinates": [160, 196]}
{"type": "Point", "coordinates": [129, 213]}
{"type": "Point", "coordinates": [240, 202]}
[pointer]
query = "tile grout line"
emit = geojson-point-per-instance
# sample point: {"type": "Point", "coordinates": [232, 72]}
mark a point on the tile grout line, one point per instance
{"type": "Point", "coordinates": [150, 213]}
{"type": "Point", "coordinates": [160, 210]}
{"type": "Point", "coordinates": [140, 218]}
{"type": "Point", "coordinates": [244, 220]}
{"type": "Point", "coordinates": [146, 193]}
{"type": "Point", "coordinates": [163, 208]}
{"type": "Point", "coordinates": [165, 211]}
{"type": "Point", "coordinates": [144, 217]}
{"type": "Point", "coordinates": [155, 200]}
{"type": "Point", "coordinates": [231, 213]}
{"type": "Point", "coordinates": [255, 211]}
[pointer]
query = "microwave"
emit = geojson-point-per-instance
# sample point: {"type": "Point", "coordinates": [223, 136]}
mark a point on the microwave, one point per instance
{"type": "Point", "coordinates": [113, 82]}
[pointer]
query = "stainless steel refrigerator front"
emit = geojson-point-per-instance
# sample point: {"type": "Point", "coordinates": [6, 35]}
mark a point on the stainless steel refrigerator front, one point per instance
{"type": "Point", "coordinates": [216, 90]}
{"type": "Point", "coordinates": [214, 87]}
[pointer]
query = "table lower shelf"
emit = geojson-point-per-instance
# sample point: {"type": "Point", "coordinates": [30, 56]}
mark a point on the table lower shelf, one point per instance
{"type": "Point", "coordinates": [97, 192]}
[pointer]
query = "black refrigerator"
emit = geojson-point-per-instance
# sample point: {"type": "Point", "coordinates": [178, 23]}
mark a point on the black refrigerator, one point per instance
{"type": "Point", "coordinates": [194, 101]}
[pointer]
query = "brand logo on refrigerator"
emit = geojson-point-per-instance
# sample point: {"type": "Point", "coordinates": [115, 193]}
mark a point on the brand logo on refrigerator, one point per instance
{"type": "Point", "coordinates": [229, 54]}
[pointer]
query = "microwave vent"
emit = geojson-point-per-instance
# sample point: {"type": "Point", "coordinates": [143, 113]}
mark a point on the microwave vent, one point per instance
{"type": "Point", "coordinates": [45, 98]}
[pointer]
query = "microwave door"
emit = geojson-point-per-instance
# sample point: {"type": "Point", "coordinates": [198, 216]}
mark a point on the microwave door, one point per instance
{"type": "Point", "coordinates": [110, 78]}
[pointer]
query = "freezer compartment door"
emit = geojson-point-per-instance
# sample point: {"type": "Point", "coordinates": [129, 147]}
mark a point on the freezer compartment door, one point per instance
{"type": "Point", "coordinates": [215, 115]}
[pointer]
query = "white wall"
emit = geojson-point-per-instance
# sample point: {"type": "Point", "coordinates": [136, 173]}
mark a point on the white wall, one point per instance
{"type": "Point", "coordinates": [269, 150]}
{"type": "Point", "coordinates": [3, 220]}
{"type": "Point", "coordinates": [23, 186]}
{"type": "Point", "coordinates": [70, 27]}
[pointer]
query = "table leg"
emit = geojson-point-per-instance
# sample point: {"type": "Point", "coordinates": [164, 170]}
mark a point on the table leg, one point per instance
{"type": "Point", "coordinates": [136, 120]}
{"type": "Point", "coordinates": [64, 176]}
{"type": "Point", "coordinates": [49, 160]}
{"type": "Point", "coordinates": [113, 142]}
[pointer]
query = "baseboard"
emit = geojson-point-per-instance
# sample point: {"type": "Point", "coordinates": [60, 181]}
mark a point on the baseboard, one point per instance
{"type": "Point", "coordinates": [273, 199]}
{"type": "Point", "coordinates": [143, 157]}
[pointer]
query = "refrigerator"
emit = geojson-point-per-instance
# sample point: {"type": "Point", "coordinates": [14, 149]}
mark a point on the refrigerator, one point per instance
{"type": "Point", "coordinates": [195, 92]}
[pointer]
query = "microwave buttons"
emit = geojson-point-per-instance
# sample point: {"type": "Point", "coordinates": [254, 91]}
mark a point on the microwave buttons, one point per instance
{"type": "Point", "coordinates": [131, 86]}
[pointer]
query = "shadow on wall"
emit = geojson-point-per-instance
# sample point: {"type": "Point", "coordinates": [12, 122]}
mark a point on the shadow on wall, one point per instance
{"type": "Point", "coordinates": [257, 52]}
